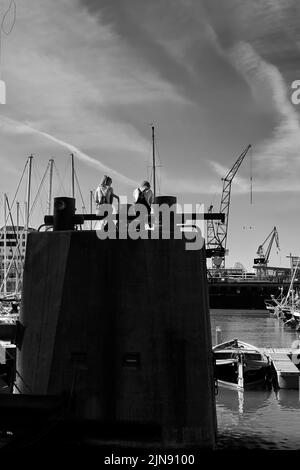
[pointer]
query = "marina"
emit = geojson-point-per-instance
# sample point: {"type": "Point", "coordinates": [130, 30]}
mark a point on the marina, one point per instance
{"type": "Point", "coordinates": [149, 239]}
{"type": "Point", "coordinates": [240, 364]}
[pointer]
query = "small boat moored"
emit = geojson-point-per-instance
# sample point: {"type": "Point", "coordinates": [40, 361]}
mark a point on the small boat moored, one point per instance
{"type": "Point", "coordinates": [241, 365]}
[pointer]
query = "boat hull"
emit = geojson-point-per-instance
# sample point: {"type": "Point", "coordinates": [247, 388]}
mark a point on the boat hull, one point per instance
{"type": "Point", "coordinates": [240, 365]}
{"type": "Point", "coordinates": [259, 384]}
{"type": "Point", "coordinates": [252, 378]}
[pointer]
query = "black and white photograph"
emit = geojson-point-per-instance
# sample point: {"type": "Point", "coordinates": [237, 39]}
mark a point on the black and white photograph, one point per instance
{"type": "Point", "coordinates": [149, 229]}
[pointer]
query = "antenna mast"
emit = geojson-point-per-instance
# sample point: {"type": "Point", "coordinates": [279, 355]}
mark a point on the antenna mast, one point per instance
{"type": "Point", "coordinates": [73, 181]}
{"type": "Point", "coordinates": [154, 165]}
{"type": "Point", "coordinates": [5, 247]}
{"type": "Point", "coordinates": [28, 192]}
{"type": "Point", "coordinates": [51, 161]}
{"type": "Point", "coordinates": [91, 207]}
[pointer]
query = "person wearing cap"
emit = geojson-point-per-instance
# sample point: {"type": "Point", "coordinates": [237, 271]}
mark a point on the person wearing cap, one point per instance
{"type": "Point", "coordinates": [104, 194]}
{"type": "Point", "coordinates": [144, 195]}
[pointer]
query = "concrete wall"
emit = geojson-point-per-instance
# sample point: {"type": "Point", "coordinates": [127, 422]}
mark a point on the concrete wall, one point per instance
{"type": "Point", "coordinates": [123, 326]}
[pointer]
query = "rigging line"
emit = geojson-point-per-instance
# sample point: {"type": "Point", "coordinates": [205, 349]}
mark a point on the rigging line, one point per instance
{"type": "Point", "coordinates": [17, 248]}
{"type": "Point", "coordinates": [38, 191]}
{"type": "Point", "coordinates": [148, 161]}
{"type": "Point", "coordinates": [43, 209]}
{"type": "Point", "coordinates": [13, 225]}
{"type": "Point", "coordinates": [62, 179]}
{"type": "Point", "coordinates": [22, 218]}
{"type": "Point", "coordinates": [67, 168]}
{"type": "Point", "coordinates": [31, 209]}
{"type": "Point", "coordinates": [150, 174]}
{"type": "Point", "coordinates": [158, 186]}
{"type": "Point", "coordinates": [36, 179]}
{"type": "Point", "coordinates": [12, 262]}
{"type": "Point", "coordinates": [39, 176]}
{"type": "Point", "coordinates": [157, 153]}
{"type": "Point", "coordinates": [18, 187]}
{"type": "Point", "coordinates": [59, 185]}
{"type": "Point", "coordinates": [83, 204]}
{"type": "Point", "coordinates": [59, 179]}
{"type": "Point", "coordinates": [42, 187]}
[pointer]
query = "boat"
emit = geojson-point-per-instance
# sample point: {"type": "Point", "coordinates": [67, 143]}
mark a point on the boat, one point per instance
{"type": "Point", "coordinates": [240, 365]}
{"type": "Point", "coordinates": [287, 308]}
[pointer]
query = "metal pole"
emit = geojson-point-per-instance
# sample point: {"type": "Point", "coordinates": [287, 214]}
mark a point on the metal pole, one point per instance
{"type": "Point", "coordinates": [51, 162]}
{"type": "Point", "coordinates": [73, 181]}
{"type": "Point", "coordinates": [5, 260]}
{"type": "Point", "coordinates": [20, 245]}
{"type": "Point", "coordinates": [25, 229]}
{"type": "Point", "coordinates": [91, 207]}
{"type": "Point", "coordinates": [218, 335]}
{"type": "Point", "coordinates": [240, 371]}
{"type": "Point", "coordinates": [28, 191]}
{"type": "Point", "coordinates": [154, 166]}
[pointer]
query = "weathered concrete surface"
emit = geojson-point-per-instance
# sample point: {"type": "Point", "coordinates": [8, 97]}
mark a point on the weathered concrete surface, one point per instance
{"type": "Point", "coordinates": [123, 326]}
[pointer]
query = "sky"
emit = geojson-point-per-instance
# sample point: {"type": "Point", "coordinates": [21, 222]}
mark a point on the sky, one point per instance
{"type": "Point", "coordinates": [92, 76]}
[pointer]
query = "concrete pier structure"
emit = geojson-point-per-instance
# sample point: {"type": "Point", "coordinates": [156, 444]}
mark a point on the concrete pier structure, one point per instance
{"type": "Point", "coordinates": [123, 328]}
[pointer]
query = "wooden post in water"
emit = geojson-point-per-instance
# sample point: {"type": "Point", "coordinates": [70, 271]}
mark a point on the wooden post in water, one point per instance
{"type": "Point", "coordinates": [240, 371]}
{"type": "Point", "coordinates": [218, 335]}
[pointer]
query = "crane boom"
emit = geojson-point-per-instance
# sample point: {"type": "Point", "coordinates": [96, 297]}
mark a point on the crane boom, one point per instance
{"type": "Point", "coordinates": [222, 227]}
{"type": "Point", "coordinates": [264, 256]}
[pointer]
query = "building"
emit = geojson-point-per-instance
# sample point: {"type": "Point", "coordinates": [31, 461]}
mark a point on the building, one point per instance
{"type": "Point", "coordinates": [12, 248]}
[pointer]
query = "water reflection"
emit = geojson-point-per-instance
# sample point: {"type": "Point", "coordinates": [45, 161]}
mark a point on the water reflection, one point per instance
{"type": "Point", "coordinates": [288, 399]}
{"type": "Point", "coordinates": [262, 419]}
{"type": "Point", "coordinates": [237, 401]}
{"type": "Point", "coordinates": [259, 419]}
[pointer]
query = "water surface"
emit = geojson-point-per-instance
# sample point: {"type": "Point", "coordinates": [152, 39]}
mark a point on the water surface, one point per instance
{"type": "Point", "coordinates": [256, 419]}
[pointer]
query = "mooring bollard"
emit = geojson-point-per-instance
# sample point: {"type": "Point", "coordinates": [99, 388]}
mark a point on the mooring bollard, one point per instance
{"type": "Point", "coordinates": [218, 335]}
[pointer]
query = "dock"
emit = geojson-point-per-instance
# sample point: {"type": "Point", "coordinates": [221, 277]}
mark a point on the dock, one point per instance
{"type": "Point", "coordinates": [284, 361]}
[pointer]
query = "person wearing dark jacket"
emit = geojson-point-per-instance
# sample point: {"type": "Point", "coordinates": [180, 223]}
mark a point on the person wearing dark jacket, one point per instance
{"type": "Point", "coordinates": [144, 195]}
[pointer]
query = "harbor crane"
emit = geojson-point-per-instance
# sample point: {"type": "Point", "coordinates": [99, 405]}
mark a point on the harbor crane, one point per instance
{"type": "Point", "coordinates": [217, 234]}
{"type": "Point", "coordinates": [263, 256]}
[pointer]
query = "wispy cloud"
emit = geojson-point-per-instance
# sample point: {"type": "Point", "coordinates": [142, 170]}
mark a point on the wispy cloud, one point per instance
{"type": "Point", "coordinates": [70, 72]}
{"type": "Point", "coordinates": [276, 158]}
{"type": "Point", "coordinates": [91, 74]}
{"type": "Point", "coordinates": [15, 127]}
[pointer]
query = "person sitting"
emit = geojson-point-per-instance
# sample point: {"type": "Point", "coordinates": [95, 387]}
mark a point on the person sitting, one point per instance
{"type": "Point", "coordinates": [104, 194]}
{"type": "Point", "coordinates": [144, 195]}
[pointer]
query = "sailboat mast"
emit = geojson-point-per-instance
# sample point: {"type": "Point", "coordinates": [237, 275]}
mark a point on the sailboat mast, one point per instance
{"type": "Point", "coordinates": [153, 163]}
{"type": "Point", "coordinates": [5, 248]}
{"type": "Point", "coordinates": [73, 175]}
{"type": "Point", "coordinates": [20, 245]}
{"type": "Point", "coordinates": [28, 191]}
{"type": "Point", "coordinates": [51, 162]}
{"type": "Point", "coordinates": [91, 207]}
